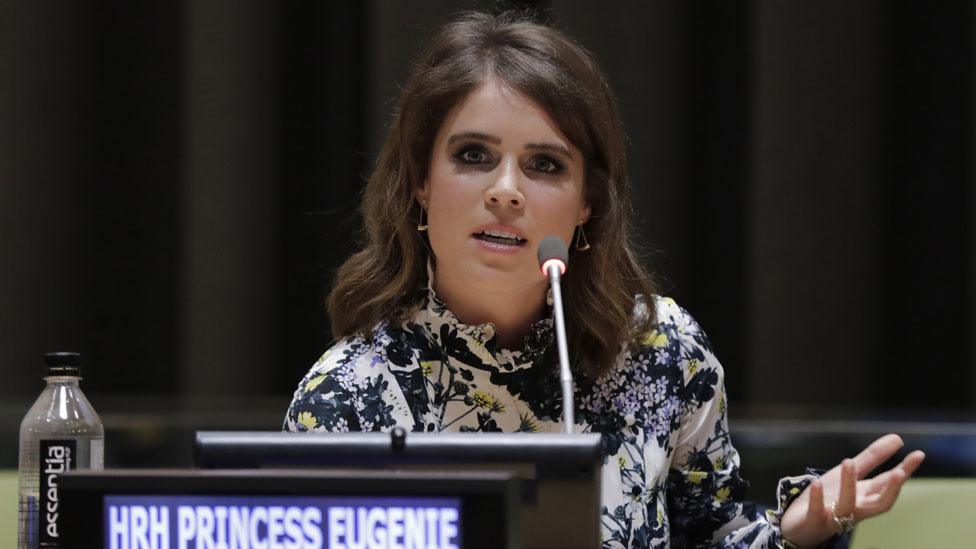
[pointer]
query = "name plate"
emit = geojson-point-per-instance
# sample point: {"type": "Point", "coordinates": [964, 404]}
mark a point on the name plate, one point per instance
{"type": "Point", "coordinates": [280, 522]}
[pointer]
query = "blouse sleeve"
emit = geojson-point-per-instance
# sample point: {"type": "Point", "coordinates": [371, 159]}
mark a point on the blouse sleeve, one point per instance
{"type": "Point", "coordinates": [705, 489]}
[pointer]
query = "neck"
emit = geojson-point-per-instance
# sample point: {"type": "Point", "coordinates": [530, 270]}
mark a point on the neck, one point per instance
{"type": "Point", "coordinates": [511, 311]}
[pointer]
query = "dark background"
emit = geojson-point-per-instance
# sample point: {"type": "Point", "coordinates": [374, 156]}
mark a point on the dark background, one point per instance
{"type": "Point", "coordinates": [179, 181]}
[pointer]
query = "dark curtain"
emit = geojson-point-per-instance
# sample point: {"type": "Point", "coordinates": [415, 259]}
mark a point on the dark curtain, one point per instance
{"type": "Point", "coordinates": [180, 180]}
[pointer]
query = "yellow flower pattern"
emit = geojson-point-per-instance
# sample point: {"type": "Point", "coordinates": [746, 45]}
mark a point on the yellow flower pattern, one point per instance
{"type": "Point", "coordinates": [308, 420]}
{"type": "Point", "coordinates": [671, 474]}
{"type": "Point", "coordinates": [314, 382]}
{"type": "Point", "coordinates": [695, 477]}
{"type": "Point", "coordinates": [487, 401]}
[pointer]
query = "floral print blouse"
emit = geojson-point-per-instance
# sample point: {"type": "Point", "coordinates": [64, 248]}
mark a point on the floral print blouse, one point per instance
{"type": "Point", "coordinates": [670, 476]}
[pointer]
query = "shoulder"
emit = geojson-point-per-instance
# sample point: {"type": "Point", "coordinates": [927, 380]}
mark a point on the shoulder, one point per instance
{"type": "Point", "coordinates": [345, 356]}
{"type": "Point", "coordinates": [664, 372]}
{"type": "Point", "coordinates": [679, 343]}
{"type": "Point", "coordinates": [331, 396]}
{"type": "Point", "coordinates": [357, 382]}
{"type": "Point", "coordinates": [675, 321]}
{"type": "Point", "coordinates": [674, 331]}
{"type": "Point", "coordinates": [387, 346]}
{"type": "Point", "coordinates": [328, 387]}
{"type": "Point", "coordinates": [675, 346]}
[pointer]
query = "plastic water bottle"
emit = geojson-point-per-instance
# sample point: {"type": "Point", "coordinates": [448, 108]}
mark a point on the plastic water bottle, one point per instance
{"type": "Point", "coordinates": [60, 432]}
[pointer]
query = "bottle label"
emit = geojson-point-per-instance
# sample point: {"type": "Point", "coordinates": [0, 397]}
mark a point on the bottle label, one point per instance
{"type": "Point", "coordinates": [57, 456]}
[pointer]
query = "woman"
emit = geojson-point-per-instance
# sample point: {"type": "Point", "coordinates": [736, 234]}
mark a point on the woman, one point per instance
{"type": "Point", "coordinates": [506, 133]}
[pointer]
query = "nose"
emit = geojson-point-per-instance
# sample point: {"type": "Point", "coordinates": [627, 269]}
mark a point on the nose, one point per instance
{"type": "Point", "coordinates": [504, 190]}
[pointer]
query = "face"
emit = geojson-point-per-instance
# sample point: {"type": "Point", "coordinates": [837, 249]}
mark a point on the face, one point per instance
{"type": "Point", "coordinates": [502, 177]}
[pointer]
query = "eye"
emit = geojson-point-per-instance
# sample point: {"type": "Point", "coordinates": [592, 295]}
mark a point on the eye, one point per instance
{"type": "Point", "coordinates": [472, 155]}
{"type": "Point", "coordinates": [546, 165]}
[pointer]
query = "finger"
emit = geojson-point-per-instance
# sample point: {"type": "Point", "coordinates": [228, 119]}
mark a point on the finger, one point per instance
{"type": "Point", "coordinates": [886, 499]}
{"type": "Point", "coordinates": [877, 453]}
{"type": "Point", "coordinates": [911, 462]}
{"type": "Point", "coordinates": [875, 485]}
{"type": "Point", "coordinates": [848, 489]}
{"type": "Point", "coordinates": [907, 467]}
{"type": "Point", "coordinates": [891, 491]}
{"type": "Point", "coordinates": [815, 503]}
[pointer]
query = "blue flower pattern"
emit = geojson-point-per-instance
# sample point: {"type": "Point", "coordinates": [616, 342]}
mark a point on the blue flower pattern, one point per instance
{"type": "Point", "coordinates": [670, 475]}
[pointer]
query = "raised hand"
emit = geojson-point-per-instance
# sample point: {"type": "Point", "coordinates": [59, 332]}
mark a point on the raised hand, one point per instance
{"type": "Point", "coordinates": [841, 497]}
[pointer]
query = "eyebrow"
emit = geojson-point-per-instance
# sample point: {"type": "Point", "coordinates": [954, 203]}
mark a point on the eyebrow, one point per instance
{"type": "Point", "coordinates": [549, 147]}
{"type": "Point", "coordinates": [474, 135]}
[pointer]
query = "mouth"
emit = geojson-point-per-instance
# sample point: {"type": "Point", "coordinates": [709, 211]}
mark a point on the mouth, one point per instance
{"type": "Point", "coordinates": [505, 238]}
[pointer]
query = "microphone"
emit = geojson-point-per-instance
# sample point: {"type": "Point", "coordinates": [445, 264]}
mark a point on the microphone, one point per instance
{"type": "Point", "coordinates": [553, 260]}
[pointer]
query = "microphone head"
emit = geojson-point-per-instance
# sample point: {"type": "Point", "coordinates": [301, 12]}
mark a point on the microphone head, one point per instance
{"type": "Point", "coordinates": [553, 250]}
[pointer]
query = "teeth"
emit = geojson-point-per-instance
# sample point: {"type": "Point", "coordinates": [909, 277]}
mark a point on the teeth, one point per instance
{"type": "Point", "coordinates": [501, 234]}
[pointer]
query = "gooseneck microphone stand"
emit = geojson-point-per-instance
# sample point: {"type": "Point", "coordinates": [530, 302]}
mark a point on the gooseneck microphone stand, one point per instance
{"type": "Point", "coordinates": [553, 257]}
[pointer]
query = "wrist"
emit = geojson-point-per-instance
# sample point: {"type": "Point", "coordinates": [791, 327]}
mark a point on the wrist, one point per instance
{"type": "Point", "coordinates": [787, 544]}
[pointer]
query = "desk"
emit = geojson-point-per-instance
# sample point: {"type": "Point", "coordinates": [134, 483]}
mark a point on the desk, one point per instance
{"type": "Point", "coordinates": [8, 508]}
{"type": "Point", "coordinates": [930, 512]}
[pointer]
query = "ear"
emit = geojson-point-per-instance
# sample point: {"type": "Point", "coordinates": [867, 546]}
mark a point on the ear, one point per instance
{"type": "Point", "coordinates": [422, 193]}
{"type": "Point", "coordinates": [584, 213]}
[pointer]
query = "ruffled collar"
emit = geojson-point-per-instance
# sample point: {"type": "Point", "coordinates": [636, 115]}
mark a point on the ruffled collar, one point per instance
{"type": "Point", "coordinates": [435, 314]}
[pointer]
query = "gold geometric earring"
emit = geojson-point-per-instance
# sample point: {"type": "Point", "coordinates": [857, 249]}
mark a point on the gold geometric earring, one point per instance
{"type": "Point", "coordinates": [422, 224]}
{"type": "Point", "coordinates": [581, 237]}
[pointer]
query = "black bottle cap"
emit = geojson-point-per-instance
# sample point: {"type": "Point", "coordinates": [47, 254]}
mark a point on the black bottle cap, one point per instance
{"type": "Point", "coordinates": [63, 364]}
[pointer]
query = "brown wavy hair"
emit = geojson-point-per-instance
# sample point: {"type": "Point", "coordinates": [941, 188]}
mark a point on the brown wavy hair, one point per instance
{"type": "Point", "coordinates": [386, 279]}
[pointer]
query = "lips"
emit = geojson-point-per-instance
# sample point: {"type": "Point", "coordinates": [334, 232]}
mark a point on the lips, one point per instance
{"type": "Point", "coordinates": [498, 235]}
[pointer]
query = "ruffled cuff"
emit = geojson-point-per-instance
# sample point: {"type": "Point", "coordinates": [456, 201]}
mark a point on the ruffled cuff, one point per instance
{"type": "Point", "coordinates": [788, 490]}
